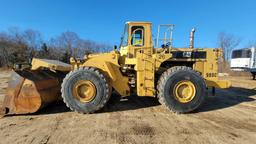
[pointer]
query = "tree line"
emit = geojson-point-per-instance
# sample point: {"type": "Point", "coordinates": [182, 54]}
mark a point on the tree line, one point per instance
{"type": "Point", "coordinates": [20, 46]}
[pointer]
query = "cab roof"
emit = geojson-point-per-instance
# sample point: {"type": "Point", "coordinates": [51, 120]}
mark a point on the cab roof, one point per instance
{"type": "Point", "coordinates": [138, 22]}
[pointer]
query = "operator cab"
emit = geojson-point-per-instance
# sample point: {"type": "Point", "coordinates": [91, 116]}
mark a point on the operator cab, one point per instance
{"type": "Point", "coordinates": [137, 37]}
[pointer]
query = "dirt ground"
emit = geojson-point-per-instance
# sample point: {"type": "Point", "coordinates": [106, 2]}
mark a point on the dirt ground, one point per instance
{"type": "Point", "coordinates": [228, 117]}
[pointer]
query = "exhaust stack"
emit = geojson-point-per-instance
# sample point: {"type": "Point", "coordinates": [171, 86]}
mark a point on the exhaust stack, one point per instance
{"type": "Point", "coordinates": [191, 38]}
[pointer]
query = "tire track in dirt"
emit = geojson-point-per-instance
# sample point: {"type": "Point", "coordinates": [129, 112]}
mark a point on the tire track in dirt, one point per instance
{"type": "Point", "coordinates": [227, 118]}
{"type": "Point", "coordinates": [54, 128]}
{"type": "Point", "coordinates": [128, 127]}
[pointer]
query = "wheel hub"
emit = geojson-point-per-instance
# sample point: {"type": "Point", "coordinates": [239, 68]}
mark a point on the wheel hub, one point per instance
{"type": "Point", "coordinates": [184, 91]}
{"type": "Point", "coordinates": [84, 91]}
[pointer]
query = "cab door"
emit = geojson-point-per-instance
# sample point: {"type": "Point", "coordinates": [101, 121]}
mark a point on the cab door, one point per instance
{"type": "Point", "coordinates": [141, 50]}
{"type": "Point", "coordinates": [137, 40]}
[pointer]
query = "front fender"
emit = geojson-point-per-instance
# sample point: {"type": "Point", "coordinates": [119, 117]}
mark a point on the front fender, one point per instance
{"type": "Point", "coordinates": [108, 63]}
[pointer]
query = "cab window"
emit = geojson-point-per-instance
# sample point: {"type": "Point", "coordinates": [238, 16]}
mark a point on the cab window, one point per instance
{"type": "Point", "coordinates": [137, 36]}
{"type": "Point", "coordinates": [124, 41]}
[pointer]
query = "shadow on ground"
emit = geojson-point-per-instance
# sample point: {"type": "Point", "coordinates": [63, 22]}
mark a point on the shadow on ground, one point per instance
{"type": "Point", "coordinates": [116, 103]}
{"type": "Point", "coordinates": [133, 102]}
{"type": "Point", "coordinates": [224, 98]}
{"type": "Point", "coordinates": [227, 98]}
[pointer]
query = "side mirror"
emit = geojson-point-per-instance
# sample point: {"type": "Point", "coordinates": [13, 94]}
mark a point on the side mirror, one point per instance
{"type": "Point", "coordinates": [115, 47]}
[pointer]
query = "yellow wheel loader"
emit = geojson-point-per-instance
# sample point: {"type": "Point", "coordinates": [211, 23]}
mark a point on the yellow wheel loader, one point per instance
{"type": "Point", "coordinates": [178, 77]}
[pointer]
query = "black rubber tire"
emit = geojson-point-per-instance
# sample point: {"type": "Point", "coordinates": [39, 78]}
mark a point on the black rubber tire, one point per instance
{"type": "Point", "coordinates": [97, 78]}
{"type": "Point", "coordinates": [2, 112]}
{"type": "Point", "coordinates": [253, 76]}
{"type": "Point", "coordinates": [167, 82]}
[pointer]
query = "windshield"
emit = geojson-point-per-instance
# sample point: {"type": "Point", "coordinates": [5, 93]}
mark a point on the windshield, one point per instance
{"type": "Point", "coordinates": [124, 39]}
{"type": "Point", "coordinates": [245, 53]}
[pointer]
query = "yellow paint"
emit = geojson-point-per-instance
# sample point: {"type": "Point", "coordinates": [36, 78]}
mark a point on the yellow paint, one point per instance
{"type": "Point", "coordinates": [218, 83]}
{"type": "Point", "coordinates": [108, 63]}
{"type": "Point", "coordinates": [145, 61]}
{"type": "Point", "coordinates": [184, 91]}
{"type": "Point", "coordinates": [84, 91]}
{"type": "Point", "coordinates": [209, 69]}
{"type": "Point", "coordinates": [51, 64]}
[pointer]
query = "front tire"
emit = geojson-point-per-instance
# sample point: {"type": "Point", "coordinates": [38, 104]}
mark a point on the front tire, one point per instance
{"type": "Point", "coordinates": [181, 89]}
{"type": "Point", "coordinates": [85, 90]}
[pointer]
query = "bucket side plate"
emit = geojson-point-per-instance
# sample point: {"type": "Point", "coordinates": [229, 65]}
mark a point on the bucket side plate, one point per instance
{"type": "Point", "coordinates": [28, 91]}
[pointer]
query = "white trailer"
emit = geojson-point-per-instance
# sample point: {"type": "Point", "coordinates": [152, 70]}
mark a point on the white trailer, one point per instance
{"type": "Point", "coordinates": [244, 60]}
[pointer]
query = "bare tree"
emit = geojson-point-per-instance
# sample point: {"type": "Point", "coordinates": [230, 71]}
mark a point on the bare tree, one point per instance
{"type": "Point", "coordinates": [4, 52]}
{"type": "Point", "coordinates": [18, 46]}
{"type": "Point", "coordinates": [70, 44]}
{"type": "Point", "coordinates": [33, 40]}
{"type": "Point", "coordinates": [251, 44]}
{"type": "Point", "coordinates": [227, 42]}
{"type": "Point", "coordinates": [12, 48]}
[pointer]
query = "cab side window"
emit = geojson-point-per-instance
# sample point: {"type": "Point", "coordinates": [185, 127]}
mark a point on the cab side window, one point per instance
{"type": "Point", "coordinates": [137, 36]}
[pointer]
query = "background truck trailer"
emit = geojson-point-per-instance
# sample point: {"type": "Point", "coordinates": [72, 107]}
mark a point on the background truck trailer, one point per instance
{"type": "Point", "coordinates": [244, 60]}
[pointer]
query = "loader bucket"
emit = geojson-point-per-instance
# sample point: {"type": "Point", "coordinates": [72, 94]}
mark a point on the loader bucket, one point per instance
{"type": "Point", "coordinates": [28, 91]}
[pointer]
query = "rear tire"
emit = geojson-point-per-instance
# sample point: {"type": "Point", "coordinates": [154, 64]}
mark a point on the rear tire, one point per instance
{"type": "Point", "coordinates": [100, 86]}
{"type": "Point", "coordinates": [175, 80]}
